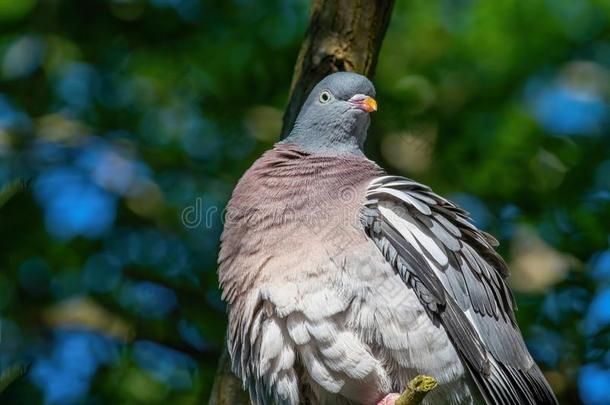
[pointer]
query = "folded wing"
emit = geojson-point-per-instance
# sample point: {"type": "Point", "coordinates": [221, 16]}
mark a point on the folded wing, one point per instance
{"type": "Point", "coordinates": [457, 275]}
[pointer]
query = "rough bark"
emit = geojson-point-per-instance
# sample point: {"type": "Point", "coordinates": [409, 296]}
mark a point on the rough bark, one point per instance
{"type": "Point", "coordinates": [343, 35]}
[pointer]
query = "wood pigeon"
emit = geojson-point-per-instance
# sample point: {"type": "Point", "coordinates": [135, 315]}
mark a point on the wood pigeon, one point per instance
{"type": "Point", "coordinates": [343, 282]}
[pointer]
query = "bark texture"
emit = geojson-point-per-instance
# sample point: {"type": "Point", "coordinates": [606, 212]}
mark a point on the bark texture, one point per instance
{"type": "Point", "coordinates": [343, 35]}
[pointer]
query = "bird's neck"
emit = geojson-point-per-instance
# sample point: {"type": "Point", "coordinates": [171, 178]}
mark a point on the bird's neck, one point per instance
{"type": "Point", "coordinates": [339, 138]}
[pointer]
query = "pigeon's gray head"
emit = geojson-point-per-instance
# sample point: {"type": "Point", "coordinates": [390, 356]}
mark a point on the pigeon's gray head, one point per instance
{"type": "Point", "coordinates": [335, 116]}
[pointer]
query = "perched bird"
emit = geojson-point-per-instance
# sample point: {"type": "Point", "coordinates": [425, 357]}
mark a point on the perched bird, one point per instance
{"type": "Point", "coordinates": [343, 282]}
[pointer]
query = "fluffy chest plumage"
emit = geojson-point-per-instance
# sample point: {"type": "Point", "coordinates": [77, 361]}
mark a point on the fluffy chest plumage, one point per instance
{"type": "Point", "coordinates": [290, 209]}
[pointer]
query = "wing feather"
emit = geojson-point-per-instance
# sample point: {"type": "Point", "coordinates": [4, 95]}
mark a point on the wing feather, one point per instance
{"type": "Point", "coordinates": [459, 278]}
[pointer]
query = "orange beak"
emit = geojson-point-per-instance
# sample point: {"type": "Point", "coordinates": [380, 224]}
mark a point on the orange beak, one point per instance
{"type": "Point", "coordinates": [364, 103]}
{"type": "Point", "coordinates": [370, 104]}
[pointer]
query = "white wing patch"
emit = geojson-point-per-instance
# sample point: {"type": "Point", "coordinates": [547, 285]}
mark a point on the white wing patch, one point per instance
{"type": "Point", "coordinates": [308, 324]}
{"type": "Point", "coordinates": [271, 345]}
{"type": "Point", "coordinates": [297, 328]}
{"type": "Point", "coordinates": [272, 363]}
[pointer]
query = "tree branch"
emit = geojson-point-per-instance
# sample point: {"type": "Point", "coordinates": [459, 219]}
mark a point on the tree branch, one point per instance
{"type": "Point", "coordinates": [416, 390]}
{"type": "Point", "coordinates": [227, 388]}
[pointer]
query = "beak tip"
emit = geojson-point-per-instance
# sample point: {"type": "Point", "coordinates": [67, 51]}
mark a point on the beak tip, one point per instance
{"type": "Point", "coordinates": [371, 103]}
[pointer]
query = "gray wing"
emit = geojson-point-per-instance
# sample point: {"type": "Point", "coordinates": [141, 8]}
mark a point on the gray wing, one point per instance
{"type": "Point", "coordinates": [457, 275]}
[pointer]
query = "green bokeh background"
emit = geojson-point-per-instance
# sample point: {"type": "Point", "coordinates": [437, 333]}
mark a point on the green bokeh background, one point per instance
{"type": "Point", "coordinates": [134, 119]}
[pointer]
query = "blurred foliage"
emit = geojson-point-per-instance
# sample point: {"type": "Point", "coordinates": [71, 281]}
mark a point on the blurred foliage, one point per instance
{"type": "Point", "coordinates": [135, 118]}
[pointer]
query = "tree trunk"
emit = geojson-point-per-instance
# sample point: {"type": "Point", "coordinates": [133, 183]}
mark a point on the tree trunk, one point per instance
{"type": "Point", "coordinates": [343, 35]}
{"type": "Point", "coordinates": [227, 387]}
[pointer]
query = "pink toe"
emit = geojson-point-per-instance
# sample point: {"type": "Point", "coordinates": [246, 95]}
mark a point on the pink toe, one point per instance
{"type": "Point", "coordinates": [389, 399]}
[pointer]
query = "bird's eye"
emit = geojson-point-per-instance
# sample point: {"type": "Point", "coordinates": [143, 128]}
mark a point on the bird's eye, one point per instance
{"type": "Point", "coordinates": [325, 97]}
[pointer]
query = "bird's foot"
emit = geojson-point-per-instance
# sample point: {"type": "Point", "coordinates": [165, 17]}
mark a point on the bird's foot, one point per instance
{"type": "Point", "coordinates": [389, 399]}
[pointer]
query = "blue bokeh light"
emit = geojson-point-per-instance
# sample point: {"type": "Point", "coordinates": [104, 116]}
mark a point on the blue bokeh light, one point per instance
{"type": "Point", "coordinates": [11, 118]}
{"type": "Point", "coordinates": [191, 334]}
{"type": "Point", "coordinates": [23, 57]}
{"type": "Point", "coordinates": [475, 207]}
{"type": "Point", "coordinates": [598, 315]}
{"type": "Point", "coordinates": [65, 374]}
{"type": "Point", "coordinates": [164, 364]}
{"type": "Point", "coordinates": [77, 85]}
{"type": "Point", "coordinates": [600, 266]}
{"type": "Point", "coordinates": [594, 385]}
{"type": "Point", "coordinates": [563, 110]}
{"type": "Point", "coordinates": [73, 205]}
{"type": "Point", "coordinates": [148, 299]}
